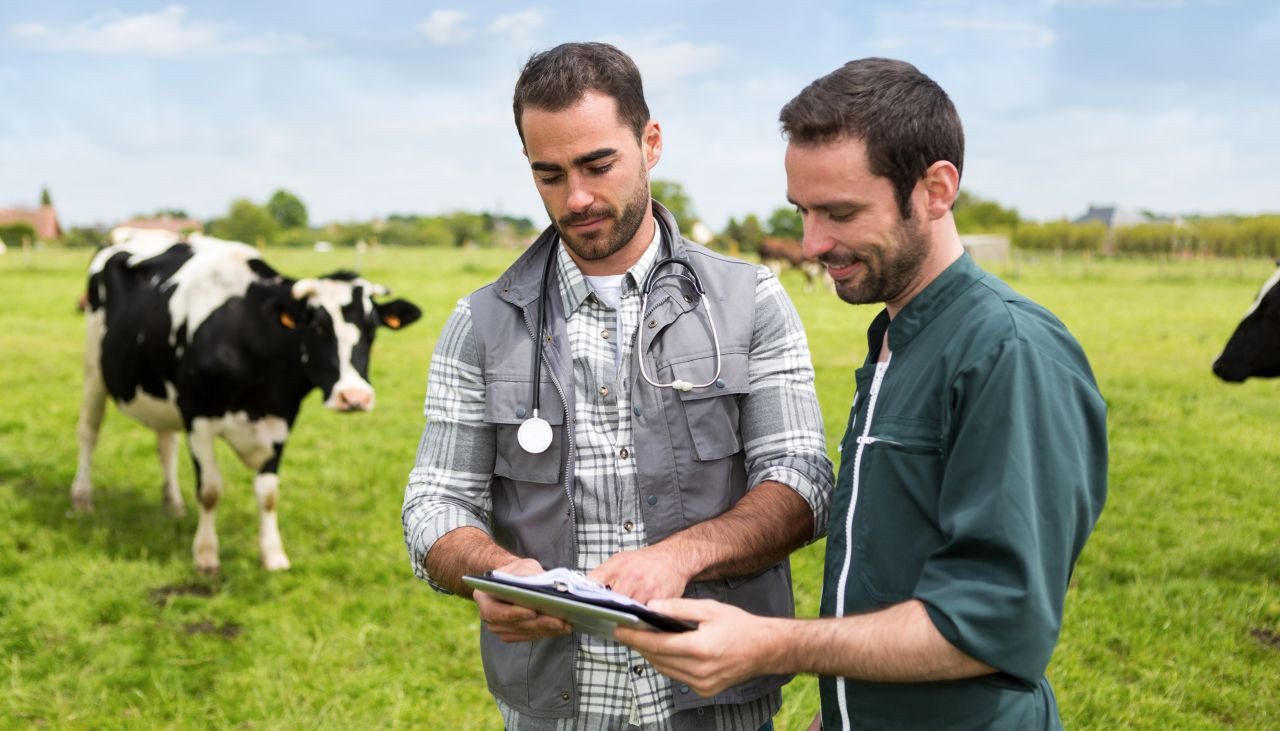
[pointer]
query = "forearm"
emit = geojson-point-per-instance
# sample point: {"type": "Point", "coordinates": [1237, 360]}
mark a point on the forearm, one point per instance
{"type": "Point", "coordinates": [895, 645]}
{"type": "Point", "coordinates": [464, 551]}
{"type": "Point", "coordinates": [763, 528]}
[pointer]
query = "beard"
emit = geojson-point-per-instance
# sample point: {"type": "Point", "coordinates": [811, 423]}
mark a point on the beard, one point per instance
{"type": "Point", "coordinates": [608, 241]}
{"type": "Point", "coordinates": [886, 272]}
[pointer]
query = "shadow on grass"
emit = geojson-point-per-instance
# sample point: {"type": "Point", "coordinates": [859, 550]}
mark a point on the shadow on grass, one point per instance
{"type": "Point", "coordinates": [1235, 564]}
{"type": "Point", "coordinates": [127, 523]}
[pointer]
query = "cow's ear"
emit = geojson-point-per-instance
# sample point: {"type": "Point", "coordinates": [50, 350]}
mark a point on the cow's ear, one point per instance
{"type": "Point", "coordinates": [398, 313]}
{"type": "Point", "coordinates": [284, 312]}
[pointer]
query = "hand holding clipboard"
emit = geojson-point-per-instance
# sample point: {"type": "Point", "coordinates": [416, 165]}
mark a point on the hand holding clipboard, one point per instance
{"type": "Point", "coordinates": [571, 596]}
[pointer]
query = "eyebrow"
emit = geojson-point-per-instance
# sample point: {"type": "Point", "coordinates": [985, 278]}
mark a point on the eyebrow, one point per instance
{"type": "Point", "coordinates": [579, 161]}
{"type": "Point", "coordinates": [849, 206]}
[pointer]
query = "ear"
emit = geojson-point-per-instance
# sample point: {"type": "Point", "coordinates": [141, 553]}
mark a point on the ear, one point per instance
{"type": "Point", "coordinates": [942, 185]}
{"type": "Point", "coordinates": [651, 144]}
{"type": "Point", "coordinates": [284, 311]}
{"type": "Point", "coordinates": [398, 313]}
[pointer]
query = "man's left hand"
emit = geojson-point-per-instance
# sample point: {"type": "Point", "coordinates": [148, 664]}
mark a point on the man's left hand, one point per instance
{"type": "Point", "coordinates": [645, 574]}
{"type": "Point", "coordinates": [728, 647]}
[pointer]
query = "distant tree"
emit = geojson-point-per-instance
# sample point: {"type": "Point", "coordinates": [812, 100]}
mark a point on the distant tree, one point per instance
{"type": "Point", "coordinates": [975, 215]}
{"type": "Point", "coordinates": [671, 194]}
{"type": "Point", "coordinates": [13, 234]}
{"type": "Point", "coordinates": [748, 233]}
{"type": "Point", "coordinates": [84, 238]}
{"type": "Point", "coordinates": [45, 200]}
{"type": "Point", "coordinates": [245, 221]}
{"type": "Point", "coordinates": [287, 210]}
{"type": "Point", "coordinates": [786, 223]}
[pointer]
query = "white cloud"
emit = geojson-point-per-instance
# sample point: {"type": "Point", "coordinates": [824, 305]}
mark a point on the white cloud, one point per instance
{"type": "Point", "coordinates": [662, 63]}
{"type": "Point", "coordinates": [518, 27]}
{"type": "Point", "coordinates": [445, 27]}
{"type": "Point", "coordinates": [169, 32]}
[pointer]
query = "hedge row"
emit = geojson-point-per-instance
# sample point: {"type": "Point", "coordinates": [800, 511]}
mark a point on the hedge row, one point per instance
{"type": "Point", "coordinates": [1257, 236]}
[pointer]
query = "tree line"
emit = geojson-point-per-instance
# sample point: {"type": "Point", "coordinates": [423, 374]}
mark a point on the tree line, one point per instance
{"type": "Point", "coordinates": [282, 220]}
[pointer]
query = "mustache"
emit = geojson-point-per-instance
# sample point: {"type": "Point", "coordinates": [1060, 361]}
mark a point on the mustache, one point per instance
{"type": "Point", "coordinates": [590, 214]}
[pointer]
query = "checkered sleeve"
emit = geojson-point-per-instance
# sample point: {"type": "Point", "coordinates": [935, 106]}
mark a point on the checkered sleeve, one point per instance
{"type": "Point", "coordinates": [449, 484]}
{"type": "Point", "coordinates": [781, 421]}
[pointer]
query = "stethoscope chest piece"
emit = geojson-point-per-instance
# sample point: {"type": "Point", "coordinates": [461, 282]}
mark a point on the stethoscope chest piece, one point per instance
{"type": "Point", "coordinates": [534, 435]}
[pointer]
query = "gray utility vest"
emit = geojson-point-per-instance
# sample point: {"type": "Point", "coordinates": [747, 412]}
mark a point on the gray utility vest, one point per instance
{"type": "Point", "coordinates": [688, 450]}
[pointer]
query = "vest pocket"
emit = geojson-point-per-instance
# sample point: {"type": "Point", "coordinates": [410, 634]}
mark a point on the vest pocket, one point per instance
{"type": "Point", "coordinates": [712, 412]}
{"type": "Point", "coordinates": [507, 406]}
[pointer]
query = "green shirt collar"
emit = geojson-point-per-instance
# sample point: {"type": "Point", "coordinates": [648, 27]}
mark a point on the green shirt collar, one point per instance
{"type": "Point", "coordinates": [924, 307]}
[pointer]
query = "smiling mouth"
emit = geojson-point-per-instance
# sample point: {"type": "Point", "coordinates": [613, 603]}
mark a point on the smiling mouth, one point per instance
{"type": "Point", "coordinates": [842, 271]}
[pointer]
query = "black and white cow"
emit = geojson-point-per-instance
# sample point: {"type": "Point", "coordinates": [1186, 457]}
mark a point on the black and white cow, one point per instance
{"type": "Point", "coordinates": [203, 336]}
{"type": "Point", "coordinates": [1254, 348]}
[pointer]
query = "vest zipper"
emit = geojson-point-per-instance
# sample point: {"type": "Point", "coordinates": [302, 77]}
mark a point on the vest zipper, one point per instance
{"type": "Point", "coordinates": [568, 439]}
{"type": "Point", "coordinates": [841, 585]}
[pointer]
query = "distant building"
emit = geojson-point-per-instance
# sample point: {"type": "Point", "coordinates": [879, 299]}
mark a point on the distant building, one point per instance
{"type": "Point", "coordinates": [986, 247]}
{"type": "Point", "coordinates": [1114, 217]}
{"type": "Point", "coordinates": [165, 223]}
{"type": "Point", "coordinates": [43, 219]}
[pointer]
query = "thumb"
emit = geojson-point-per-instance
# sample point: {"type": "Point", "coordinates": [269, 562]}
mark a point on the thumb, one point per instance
{"type": "Point", "coordinates": [695, 609]}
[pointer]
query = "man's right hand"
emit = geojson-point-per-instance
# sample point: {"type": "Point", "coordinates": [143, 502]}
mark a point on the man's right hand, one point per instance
{"type": "Point", "coordinates": [513, 623]}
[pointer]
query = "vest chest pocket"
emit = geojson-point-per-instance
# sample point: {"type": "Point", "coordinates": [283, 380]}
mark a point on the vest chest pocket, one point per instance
{"type": "Point", "coordinates": [713, 411]}
{"type": "Point", "coordinates": [507, 406]}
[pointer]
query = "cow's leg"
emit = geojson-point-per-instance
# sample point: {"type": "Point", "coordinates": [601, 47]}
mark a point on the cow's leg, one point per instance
{"type": "Point", "coordinates": [92, 408]}
{"type": "Point", "coordinates": [167, 448]}
{"type": "Point", "coordinates": [259, 443]}
{"type": "Point", "coordinates": [208, 489]}
{"type": "Point", "coordinates": [271, 548]}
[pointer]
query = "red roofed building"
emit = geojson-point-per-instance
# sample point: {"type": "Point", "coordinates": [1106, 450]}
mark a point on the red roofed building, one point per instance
{"type": "Point", "coordinates": [43, 219]}
{"type": "Point", "coordinates": [165, 223]}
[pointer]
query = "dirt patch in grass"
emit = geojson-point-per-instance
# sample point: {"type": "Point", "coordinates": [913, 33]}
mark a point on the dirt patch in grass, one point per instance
{"type": "Point", "coordinates": [160, 595]}
{"type": "Point", "coordinates": [1268, 638]}
{"type": "Point", "coordinates": [227, 631]}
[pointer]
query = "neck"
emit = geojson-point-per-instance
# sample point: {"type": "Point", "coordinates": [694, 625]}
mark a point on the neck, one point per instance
{"type": "Point", "coordinates": [944, 249]}
{"type": "Point", "coordinates": [623, 259]}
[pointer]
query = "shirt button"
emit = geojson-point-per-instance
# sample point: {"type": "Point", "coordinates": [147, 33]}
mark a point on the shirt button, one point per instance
{"type": "Point", "coordinates": [628, 526]}
{"type": "Point", "coordinates": [623, 453]}
{"type": "Point", "coordinates": [638, 670]}
{"type": "Point", "coordinates": [604, 334]}
{"type": "Point", "coordinates": [604, 390]}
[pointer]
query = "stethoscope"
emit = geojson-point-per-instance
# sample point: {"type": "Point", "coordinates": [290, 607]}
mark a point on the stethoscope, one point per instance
{"type": "Point", "coordinates": [535, 433]}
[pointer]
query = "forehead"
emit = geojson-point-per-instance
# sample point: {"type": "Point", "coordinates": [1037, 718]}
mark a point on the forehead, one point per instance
{"type": "Point", "coordinates": [816, 173]}
{"type": "Point", "coordinates": [339, 292]}
{"type": "Point", "coordinates": [589, 124]}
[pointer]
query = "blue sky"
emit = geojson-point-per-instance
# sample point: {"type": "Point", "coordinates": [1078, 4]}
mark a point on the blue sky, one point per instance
{"type": "Point", "coordinates": [382, 107]}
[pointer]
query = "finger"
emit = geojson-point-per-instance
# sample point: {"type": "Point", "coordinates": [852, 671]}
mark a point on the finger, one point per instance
{"type": "Point", "coordinates": [695, 609]}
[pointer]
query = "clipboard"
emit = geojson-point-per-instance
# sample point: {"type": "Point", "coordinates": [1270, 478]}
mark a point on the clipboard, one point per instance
{"type": "Point", "coordinates": [593, 615]}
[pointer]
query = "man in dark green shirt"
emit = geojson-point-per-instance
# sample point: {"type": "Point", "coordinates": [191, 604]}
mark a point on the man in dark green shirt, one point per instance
{"type": "Point", "coordinates": [975, 460]}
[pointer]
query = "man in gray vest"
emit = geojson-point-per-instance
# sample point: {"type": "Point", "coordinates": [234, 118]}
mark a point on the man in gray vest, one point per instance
{"type": "Point", "coordinates": [685, 455]}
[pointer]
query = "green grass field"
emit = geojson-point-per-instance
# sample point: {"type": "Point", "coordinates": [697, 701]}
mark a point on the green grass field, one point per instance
{"type": "Point", "coordinates": [1173, 620]}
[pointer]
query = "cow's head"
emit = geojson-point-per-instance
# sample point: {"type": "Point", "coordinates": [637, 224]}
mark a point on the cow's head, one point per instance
{"type": "Point", "coordinates": [337, 318]}
{"type": "Point", "coordinates": [1254, 348]}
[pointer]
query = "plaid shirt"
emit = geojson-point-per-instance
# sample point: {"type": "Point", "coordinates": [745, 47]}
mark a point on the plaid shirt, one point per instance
{"type": "Point", "coordinates": [448, 487]}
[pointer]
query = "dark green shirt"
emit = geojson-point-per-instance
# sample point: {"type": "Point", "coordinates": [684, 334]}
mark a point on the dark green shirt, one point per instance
{"type": "Point", "coordinates": [973, 468]}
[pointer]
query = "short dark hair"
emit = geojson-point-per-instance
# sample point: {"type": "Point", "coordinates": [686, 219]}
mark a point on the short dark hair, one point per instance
{"type": "Point", "coordinates": [905, 119]}
{"type": "Point", "coordinates": [557, 78]}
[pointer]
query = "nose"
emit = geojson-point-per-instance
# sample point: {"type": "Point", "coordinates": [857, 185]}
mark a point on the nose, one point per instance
{"type": "Point", "coordinates": [814, 242]}
{"type": "Point", "coordinates": [354, 399]}
{"type": "Point", "coordinates": [580, 198]}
